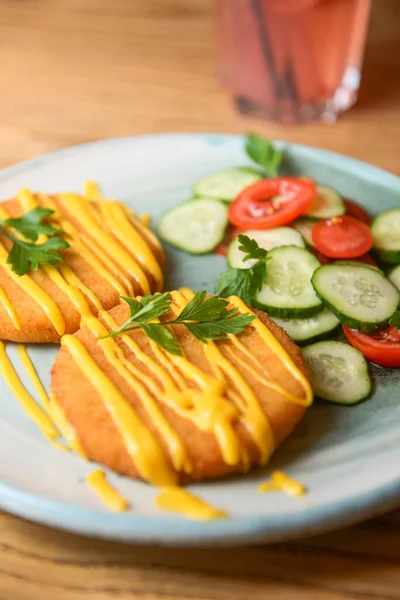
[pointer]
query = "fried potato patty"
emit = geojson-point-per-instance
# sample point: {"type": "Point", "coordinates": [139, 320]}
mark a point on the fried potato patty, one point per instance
{"type": "Point", "coordinates": [100, 437]}
{"type": "Point", "coordinates": [35, 325]}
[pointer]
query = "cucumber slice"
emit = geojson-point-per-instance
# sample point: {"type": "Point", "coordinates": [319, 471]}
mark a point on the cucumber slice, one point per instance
{"type": "Point", "coordinates": [327, 203]}
{"type": "Point", "coordinates": [227, 184]}
{"type": "Point", "coordinates": [394, 276]}
{"type": "Point", "coordinates": [350, 261]}
{"type": "Point", "coordinates": [289, 293]}
{"type": "Point", "coordinates": [360, 296]}
{"type": "Point", "coordinates": [304, 226]}
{"type": "Point", "coordinates": [311, 329]}
{"type": "Point", "coordinates": [386, 232]}
{"type": "Point", "coordinates": [338, 372]}
{"type": "Point", "coordinates": [267, 239]}
{"type": "Point", "coordinates": [197, 226]}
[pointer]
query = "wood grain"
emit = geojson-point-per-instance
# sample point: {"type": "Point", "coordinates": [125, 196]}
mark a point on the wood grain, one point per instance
{"type": "Point", "coordinates": [74, 71]}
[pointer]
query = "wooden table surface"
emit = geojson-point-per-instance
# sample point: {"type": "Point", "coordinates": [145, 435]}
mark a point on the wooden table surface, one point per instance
{"type": "Point", "coordinates": [74, 71]}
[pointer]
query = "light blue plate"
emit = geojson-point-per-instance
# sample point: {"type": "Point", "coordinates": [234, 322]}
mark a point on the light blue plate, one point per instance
{"type": "Point", "coordinates": [349, 458]}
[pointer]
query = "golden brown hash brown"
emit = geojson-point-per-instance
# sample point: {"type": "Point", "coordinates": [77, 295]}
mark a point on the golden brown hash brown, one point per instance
{"type": "Point", "coordinates": [102, 441]}
{"type": "Point", "coordinates": [35, 325]}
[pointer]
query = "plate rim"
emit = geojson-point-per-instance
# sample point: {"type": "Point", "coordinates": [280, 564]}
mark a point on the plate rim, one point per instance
{"type": "Point", "coordinates": [176, 531]}
{"type": "Point", "coordinates": [180, 532]}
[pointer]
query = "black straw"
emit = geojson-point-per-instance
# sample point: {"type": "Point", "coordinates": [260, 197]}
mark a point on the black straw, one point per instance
{"type": "Point", "coordinates": [266, 48]}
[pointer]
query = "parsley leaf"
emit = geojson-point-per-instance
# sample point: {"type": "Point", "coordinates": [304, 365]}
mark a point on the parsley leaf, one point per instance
{"type": "Point", "coordinates": [245, 283]}
{"type": "Point", "coordinates": [205, 318]}
{"type": "Point", "coordinates": [200, 307]}
{"type": "Point", "coordinates": [251, 249]}
{"type": "Point", "coordinates": [395, 320]}
{"type": "Point", "coordinates": [236, 282]}
{"type": "Point", "coordinates": [161, 335]}
{"type": "Point", "coordinates": [263, 152]}
{"type": "Point", "coordinates": [220, 329]}
{"type": "Point", "coordinates": [25, 255]}
{"type": "Point", "coordinates": [30, 224]}
{"type": "Point", "coordinates": [149, 307]}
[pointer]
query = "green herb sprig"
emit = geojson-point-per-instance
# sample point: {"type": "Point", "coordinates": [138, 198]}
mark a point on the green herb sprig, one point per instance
{"type": "Point", "coordinates": [205, 318]}
{"type": "Point", "coordinates": [26, 255]}
{"type": "Point", "coordinates": [264, 152]}
{"type": "Point", "coordinates": [245, 283]}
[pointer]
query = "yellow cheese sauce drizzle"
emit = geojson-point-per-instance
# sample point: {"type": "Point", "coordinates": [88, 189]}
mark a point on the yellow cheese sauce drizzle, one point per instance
{"type": "Point", "coordinates": [77, 239]}
{"type": "Point", "coordinates": [177, 499]}
{"type": "Point", "coordinates": [39, 389]}
{"type": "Point", "coordinates": [8, 307]}
{"type": "Point", "coordinates": [115, 272]}
{"type": "Point", "coordinates": [74, 295]}
{"type": "Point", "coordinates": [93, 245]}
{"type": "Point", "coordinates": [74, 281]}
{"type": "Point", "coordinates": [97, 481]}
{"type": "Point", "coordinates": [115, 217]}
{"type": "Point", "coordinates": [280, 482]}
{"type": "Point", "coordinates": [57, 414]}
{"type": "Point", "coordinates": [28, 202]}
{"type": "Point", "coordinates": [78, 207]}
{"type": "Point", "coordinates": [30, 287]}
{"type": "Point", "coordinates": [33, 376]}
{"type": "Point", "coordinates": [142, 223]}
{"type": "Point", "coordinates": [145, 219]}
{"type": "Point", "coordinates": [206, 405]}
{"type": "Point", "coordinates": [142, 446]}
{"type": "Point", "coordinates": [129, 230]}
{"type": "Point", "coordinates": [35, 412]}
{"type": "Point", "coordinates": [34, 291]}
{"type": "Point", "coordinates": [92, 191]}
{"type": "Point", "coordinates": [117, 359]}
{"type": "Point", "coordinates": [270, 340]}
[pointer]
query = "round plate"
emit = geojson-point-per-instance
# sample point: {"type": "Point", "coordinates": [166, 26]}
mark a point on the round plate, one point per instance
{"type": "Point", "coordinates": [349, 458]}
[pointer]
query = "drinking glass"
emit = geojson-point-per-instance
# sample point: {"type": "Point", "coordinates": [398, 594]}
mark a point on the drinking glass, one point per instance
{"type": "Point", "coordinates": [292, 60]}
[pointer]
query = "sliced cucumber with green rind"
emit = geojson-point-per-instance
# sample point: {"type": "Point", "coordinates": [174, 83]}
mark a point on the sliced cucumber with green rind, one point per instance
{"type": "Point", "coordinates": [394, 276]}
{"type": "Point", "coordinates": [360, 296]}
{"type": "Point", "coordinates": [289, 293]}
{"type": "Point", "coordinates": [197, 226]}
{"type": "Point", "coordinates": [328, 203]}
{"type": "Point", "coordinates": [359, 263]}
{"type": "Point", "coordinates": [338, 373]}
{"type": "Point", "coordinates": [311, 329]}
{"type": "Point", "coordinates": [386, 233]}
{"type": "Point", "coordinates": [304, 226]}
{"type": "Point", "coordinates": [227, 184]}
{"type": "Point", "coordinates": [267, 239]}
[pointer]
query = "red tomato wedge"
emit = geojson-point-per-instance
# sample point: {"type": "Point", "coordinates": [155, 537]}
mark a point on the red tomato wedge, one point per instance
{"type": "Point", "coordinates": [382, 348]}
{"type": "Point", "coordinates": [230, 234]}
{"type": "Point", "coordinates": [367, 259]}
{"type": "Point", "coordinates": [357, 211]}
{"type": "Point", "coordinates": [324, 260]}
{"type": "Point", "coordinates": [272, 202]}
{"type": "Point", "coordinates": [342, 237]}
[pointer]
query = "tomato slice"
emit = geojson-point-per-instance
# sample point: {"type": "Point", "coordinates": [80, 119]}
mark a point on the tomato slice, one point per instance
{"type": "Point", "coordinates": [367, 259]}
{"type": "Point", "coordinates": [342, 237]}
{"type": "Point", "coordinates": [382, 348]}
{"type": "Point", "coordinates": [272, 202]}
{"type": "Point", "coordinates": [357, 211]}
{"type": "Point", "coordinates": [230, 234]}
{"type": "Point", "coordinates": [324, 260]}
